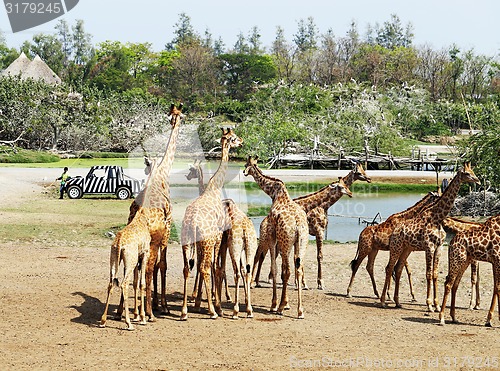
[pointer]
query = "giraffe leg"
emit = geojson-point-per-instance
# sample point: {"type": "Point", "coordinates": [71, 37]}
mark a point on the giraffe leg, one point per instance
{"type": "Point", "coordinates": [247, 276]}
{"type": "Point", "coordinates": [257, 265]}
{"type": "Point", "coordinates": [398, 271]}
{"type": "Point", "coordinates": [129, 270]}
{"type": "Point", "coordinates": [223, 256]}
{"type": "Point", "coordinates": [285, 272]}
{"type": "Point", "coordinates": [199, 285]}
{"type": "Point", "coordinates": [142, 287]}
{"type": "Point", "coordinates": [428, 276]}
{"type": "Point", "coordinates": [319, 257]}
{"type": "Point", "coordinates": [136, 293]}
{"type": "Point", "coordinates": [235, 259]}
{"type": "Point", "coordinates": [274, 301]}
{"type": "Point", "coordinates": [393, 258]}
{"type": "Point", "coordinates": [435, 274]}
{"type": "Point", "coordinates": [496, 292]}
{"type": "Point", "coordinates": [474, 280]}
{"type": "Point", "coordinates": [150, 272]}
{"type": "Point", "coordinates": [184, 310]}
{"type": "Point", "coordinates": [105, 314]}
{"type": "Point", "coordinates": [462, 266]}
{"type": "Point", "coordinates": [408, 273]}
{"type": "Point", "coordinates": [370, 267]}
{"type": "Point", "coordinates": [163, 274]}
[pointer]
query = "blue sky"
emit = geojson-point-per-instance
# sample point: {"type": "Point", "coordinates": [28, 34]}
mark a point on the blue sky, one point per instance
{"type": "Point", "coordinates": [439, 23]}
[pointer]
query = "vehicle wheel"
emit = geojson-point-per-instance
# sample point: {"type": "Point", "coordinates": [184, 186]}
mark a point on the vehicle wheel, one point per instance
{"type": "Point", "coordinates": [74, 192]}
{"type": "Point", "coordinates": [123, 193]}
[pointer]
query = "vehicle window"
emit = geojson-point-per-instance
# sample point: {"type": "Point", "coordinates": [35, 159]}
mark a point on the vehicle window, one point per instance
{"type": "Point", "coordinates": [112, 172]}
{"type": "Point", "coordinates": [100, 173]}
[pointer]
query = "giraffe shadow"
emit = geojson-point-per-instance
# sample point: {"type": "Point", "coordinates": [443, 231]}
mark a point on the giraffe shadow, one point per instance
{"type": "Point", "coordinates": [90, 310]}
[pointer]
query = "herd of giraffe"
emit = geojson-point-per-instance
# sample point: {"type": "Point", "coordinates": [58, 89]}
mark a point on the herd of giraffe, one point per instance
{"type": "Point", "coordinates": [212, 226]}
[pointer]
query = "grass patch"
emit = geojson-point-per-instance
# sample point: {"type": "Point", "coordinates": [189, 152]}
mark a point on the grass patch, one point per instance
{"type": "Point", "coordinates": [9, 155]}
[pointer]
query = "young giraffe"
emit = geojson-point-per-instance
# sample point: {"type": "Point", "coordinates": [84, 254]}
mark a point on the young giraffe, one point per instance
{"type": "Point", "coordinates": [202, 227]}
{"type": "Point", "coordinates": [454, 226]}
{"type": "Point", "coordinates": [374, 238]}
{"type": "Point", "coordinates": [423, 233]}
{"type": "Point", "coordinates": [317, 219]}
{"type": "Point", "coordinates": [241, 240]}
{"type": "Point", "coordinates": [480, 243]}
{"type": "Point", "coordinates": [287, 227]}
{"type": "Point", "coordinates": [132, 246]}
{"type": "Point", "coordinates": [196, 172]}
{"type": "Point", "coordinates": [160, 215]}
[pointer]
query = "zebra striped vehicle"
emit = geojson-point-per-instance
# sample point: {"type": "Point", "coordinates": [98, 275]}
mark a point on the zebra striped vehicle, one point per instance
{"type": "Point", "coordinates": [104, 180]}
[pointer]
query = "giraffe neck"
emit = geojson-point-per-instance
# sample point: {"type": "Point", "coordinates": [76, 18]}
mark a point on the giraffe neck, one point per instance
{"type": "Point", "coordinates": [326, 196]}
{"type": "Point", "coordinates": [349, 178]}
{"type": "Point", "coordinates": [453, 225]}
{"type": "Point", "coordinates": [441, 208]}
{"type": "Point", "coordinates": [159, 190]}
{"type": "Point", "coordinates": [417, 208]}
{"type": "Point", "coordinates": [271, 186]}
{"type": "Point", "coordinates": [216, 182]}
{"type": "Point", "coordinates": [201, 185]}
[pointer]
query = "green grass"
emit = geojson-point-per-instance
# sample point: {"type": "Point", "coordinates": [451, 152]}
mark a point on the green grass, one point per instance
{"type": "Point", "coordinates": [10, 155]}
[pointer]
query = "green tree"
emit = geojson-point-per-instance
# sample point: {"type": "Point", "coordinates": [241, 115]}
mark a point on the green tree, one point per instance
{"type": "Point", "coordinates": [7, 55]}
{"type": "Point", "coordinates": [241, 73]}
{"type": "Point", "coordinates": [392, 34]}
{"type": "Point", "coordinates": [47, 47]}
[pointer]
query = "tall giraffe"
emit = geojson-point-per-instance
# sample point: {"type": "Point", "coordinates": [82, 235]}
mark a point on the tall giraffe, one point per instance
{"type": "Point", "coordinates": [423, 233]}
{"type": "Point", "coordinates": [479, 243]}
{"type": "Point", "coordinates": [317, 218]}
{"type": "Point", "coordinates": [287, 228]}
{"type": "Point", "coordinates": [374, 238]}
{"type": "Point", "coordinates": [196, 172]}
{"type": "Point", "coordinates": [454, 226]}
{"type": "Point", "coordinates": [156, 197]}
{"type": "Point", "coordinates": [202, 228]}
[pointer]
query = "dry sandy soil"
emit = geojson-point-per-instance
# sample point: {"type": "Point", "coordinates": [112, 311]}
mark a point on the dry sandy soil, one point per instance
{"type": "Point", "coordinates": [52, 299]}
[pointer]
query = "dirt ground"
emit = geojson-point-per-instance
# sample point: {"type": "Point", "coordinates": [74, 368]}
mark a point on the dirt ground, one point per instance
{"type": "Point", "coordinates": [53, 297]}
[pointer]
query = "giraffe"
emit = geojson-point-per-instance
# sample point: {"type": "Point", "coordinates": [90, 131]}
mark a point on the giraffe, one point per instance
{"type": "Point", "coordinates": [241, 240]}
{"type": "Point", "coordinates": [202, 227]}
{"type": "Point", "coordinates": [287, 227]}
{"type": "Point", "coordinates": [479, 243]}
{"type": "Point", "coordinates": [156, 197]}
{"type": "Point", "coordinates": [454, 226]}
{"type": "Point", "coordinates": [423, 233]}
{"type": "Point", "coordinates": [374, 238]}
{"type": "Point", "coordinates": [131, 245]}
{"type": "Point", "coordinates": [317, 218]}
{"type": "Point", "coordinates": [196, 172]}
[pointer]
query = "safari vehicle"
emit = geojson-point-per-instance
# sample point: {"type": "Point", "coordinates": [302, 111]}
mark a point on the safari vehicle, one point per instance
{"type": "Point", "coordinates": [103, 180]}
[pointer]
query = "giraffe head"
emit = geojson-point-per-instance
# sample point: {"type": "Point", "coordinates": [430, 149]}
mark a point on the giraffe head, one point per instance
{"type": "Point", "coordinates": [229, 138]}
{"type": "Point", "coordinates": [194, 170]}
{"type": "Point", "coordinates": [344, 189]}
{"type": "Point", "coordinates": [359, 173]}
{"type": "Point", "coordinates": [175, 115]}
{"type": "Point", "coordinates": [467, 174]}
{"type": "Point", "coordinates": [251, 166]}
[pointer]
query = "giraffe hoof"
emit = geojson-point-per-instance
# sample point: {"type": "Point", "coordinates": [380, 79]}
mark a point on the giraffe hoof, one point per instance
{"type": "Point", "coordinates": [383, 305]}
{"type": "Point", "coordinates": [488, 324]}
{"type": "Point", "coordinates": [300, 316]}
{"type": "Point", "coordinates": [102, 325]}
{"type": "Point", "coordinates": [235, 316]}
{"type": "Point", "coordinates": [214, 316]}
{"type": "Point", "coordinates": [152, 319]}
{"type": "Point", "coordinates": [477, 307]}
{"type": "Point", "coordinates": [250, 315]}
{"type": "Point", "coordinates": [441, 323]}
{"type": "Point", "coordinates": [130, 328]}
{"type": "Point", "coordinates": [348, 296]}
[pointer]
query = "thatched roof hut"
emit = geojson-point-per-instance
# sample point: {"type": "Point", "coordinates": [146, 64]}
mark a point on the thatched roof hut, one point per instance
{"type": "Point", "coordinates": [36, 69]}
{"type": "Point", "coordinates": [18, 66]}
